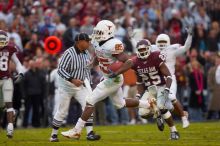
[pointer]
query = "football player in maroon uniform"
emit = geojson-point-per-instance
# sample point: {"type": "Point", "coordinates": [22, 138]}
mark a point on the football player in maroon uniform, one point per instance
{"type": "Point", "coordinates": [152, 72]}
{"type": "Point", "coordinates": [7, 53]}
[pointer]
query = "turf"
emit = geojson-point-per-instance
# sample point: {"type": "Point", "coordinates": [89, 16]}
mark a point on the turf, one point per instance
{"type": "Point", "coordinates": [198, 134]}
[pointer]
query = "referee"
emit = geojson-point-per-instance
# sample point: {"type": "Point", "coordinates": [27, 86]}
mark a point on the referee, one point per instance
{"type": "Point", "coordinates": [72, 72]}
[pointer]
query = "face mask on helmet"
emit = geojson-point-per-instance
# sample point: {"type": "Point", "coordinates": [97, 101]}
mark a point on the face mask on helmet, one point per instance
{"type": "Point", "coordinates": [4, 39]}
{"type": "Point", "coordinates": [162, 41]}
{"type": "Point", "coordinates": [104, 30]}
{"type": "Point", "coordinates": [162, 44]}
{"type": "Point", "coordinates": [143, 49]}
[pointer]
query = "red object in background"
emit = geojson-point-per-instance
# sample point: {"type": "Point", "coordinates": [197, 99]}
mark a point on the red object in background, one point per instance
{"type": "Point", "coordinates": [52, 45]}
{"type": "Point", "coordinates": [115, 66]}
{"type": "Point", "coordinates": [6, 5]}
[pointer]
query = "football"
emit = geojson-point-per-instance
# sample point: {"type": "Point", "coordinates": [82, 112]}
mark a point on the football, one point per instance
{"type": "Point", "coordinates": [115, 66]}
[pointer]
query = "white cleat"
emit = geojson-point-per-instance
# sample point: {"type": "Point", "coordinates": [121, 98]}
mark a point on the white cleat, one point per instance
{"type": "Point", "coordinates": [186, 121]}
{"type": "Point", "coordinates": [10, 130]}
{"type": "Point", "coordinates": [72, 133]}
{"type": "Point", "coordinates": [132, 122]}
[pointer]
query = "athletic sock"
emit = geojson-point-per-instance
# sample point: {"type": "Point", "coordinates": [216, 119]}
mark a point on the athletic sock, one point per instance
{"type": "Point", "coordinates": [79, 125]}
{"type": "Point", "coordinates": [173, 129]}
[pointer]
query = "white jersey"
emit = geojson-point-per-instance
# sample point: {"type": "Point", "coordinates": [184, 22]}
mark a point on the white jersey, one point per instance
{"type": "Point", "coordinates": [106, 51]}
{"type": "Point", "coordinates": [171, 52]}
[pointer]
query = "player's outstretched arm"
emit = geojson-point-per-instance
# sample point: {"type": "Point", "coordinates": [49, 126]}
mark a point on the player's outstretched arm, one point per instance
{"type": "Point", "coordinates": [124, 67]}
{"type": "Point", "coordinates": [19, 67]}
{"type": "Point", "coordinates": [188, 42]}
{"type": "Point", "coordinates": [123, 57]}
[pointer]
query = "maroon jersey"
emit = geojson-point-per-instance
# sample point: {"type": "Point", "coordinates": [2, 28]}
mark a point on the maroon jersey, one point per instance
{"type": "Point", "coordinates": [5, 57]}
{"type": "Point", "coordinates": [148, 70]}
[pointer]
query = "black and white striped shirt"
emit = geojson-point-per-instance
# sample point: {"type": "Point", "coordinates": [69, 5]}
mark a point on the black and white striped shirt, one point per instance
{"type": "Point", "coordinates": [73, 64]}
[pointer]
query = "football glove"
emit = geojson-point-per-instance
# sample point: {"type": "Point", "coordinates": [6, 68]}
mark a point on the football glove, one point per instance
{"type": "Point", "coordinates": [166, 93]}
{"type": "Point", "coordinates": [189, 30]}
{"type": "Point", "coordinates": [18, 78]}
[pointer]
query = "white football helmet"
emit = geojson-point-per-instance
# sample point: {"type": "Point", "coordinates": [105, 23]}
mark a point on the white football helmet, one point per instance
{"type": "Point", "coordinates": [104, 30]}
{"type": "Point", "coordinates": [143, 48]}
{"type": "Point", "coordinates": [162, 41]}
{"type": "Point", "coordinates": [4, 39]}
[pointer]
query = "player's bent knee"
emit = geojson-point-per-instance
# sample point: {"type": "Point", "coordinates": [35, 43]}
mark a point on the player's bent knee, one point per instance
{"type": "Point", "coordinates": [174, 101]}
{"type": "Point", "coordinates": [59, 116]}
{"type": "Point", "coordinates": [121, 104]}
{"type": "Point", "coordinates": [145, 113]}
{"type": "Point", "coordinates": [165, 113]}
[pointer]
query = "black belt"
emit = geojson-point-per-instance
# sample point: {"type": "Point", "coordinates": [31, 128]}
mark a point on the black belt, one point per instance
{"type": "Point", "coordinates": [62, 76]}
{"type": "Point", "coordinates": [68, 80]}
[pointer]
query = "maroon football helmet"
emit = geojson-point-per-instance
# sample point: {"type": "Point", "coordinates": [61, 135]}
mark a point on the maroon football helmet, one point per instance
{"type": "Point", "coordinates": [4, 39]}
{"type": "Point", "coordinates": [143, 48]}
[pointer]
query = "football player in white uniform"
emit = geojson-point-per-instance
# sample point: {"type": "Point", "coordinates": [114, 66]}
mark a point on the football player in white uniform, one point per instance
{"type": "Point", "coordinates": [107, 50]}
{"type": "Point", "coordinates": [171, 52]}
{"type": "Point", "coordinates": [7, 53]}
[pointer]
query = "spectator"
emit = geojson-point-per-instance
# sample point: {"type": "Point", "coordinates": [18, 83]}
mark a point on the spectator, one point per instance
{"type": "Point", "coordinates": [60, 27]}
{"type": "Point", "coordinates": [65, 15]}
{"type": "Point", "coordinates": [197, 83]}
{"type": "Point", "coordinates": [5, 13]}
{"type": "Point", "coordinates": [214, 87]}
{"type": "Point", "coordinates": [34, 86]}
{"type": "Point", "coordinates": [175, 27]}
{"type": "Point", "coordinates": [120, 31]}
{"type": "Point", "coordinates": [32, 46]}
{"type": "Point", "coordinates": [70, 33]}
{"type": "Point", "coordinates": [47, 28]}
{"type": "Point", "coordinates": [202, 18]}
{"type": "Point", "coordinates": [87, 26]}
{"type": "Point", "coordinates": [200, 39]}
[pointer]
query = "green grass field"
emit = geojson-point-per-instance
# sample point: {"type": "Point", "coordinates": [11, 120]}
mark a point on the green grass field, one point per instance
{"type": "Point", "coordinates": [198, 134]}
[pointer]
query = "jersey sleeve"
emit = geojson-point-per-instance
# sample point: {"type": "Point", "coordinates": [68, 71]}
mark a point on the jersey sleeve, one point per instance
{"type": "Point", "coordinates": [12, 49]}
{"type": "Point", "coordinates": [19, 67]}
{"type": "Point", "coordinates": [176, 49]}
{"type": "Point", "coordinates": [134, 61]}
{"type": "Point", "coordinates": [154, 48]}
{"type": "Point", "coordinates": [117, 47]}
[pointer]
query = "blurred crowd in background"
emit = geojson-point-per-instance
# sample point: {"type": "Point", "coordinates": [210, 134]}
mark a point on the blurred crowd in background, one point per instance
{"type": "Point", "coordinates": [29, 22]}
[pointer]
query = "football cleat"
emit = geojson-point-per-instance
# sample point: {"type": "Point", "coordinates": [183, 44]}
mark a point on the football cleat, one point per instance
{"type": "Point", "coordinates": [54, 138]}
{"type": "Point", "coordinates": [92, 136]}
{"type": "Point", "coordinates": [72, 133]}
{"type": "Point", "coordinates": [10, 130]}
{"type": "Point", "coordinates": [160, 123]}
{"type": "Point", "coordinates": [186, 121]}
{"type": "Point", "coordinates": [174, 135]}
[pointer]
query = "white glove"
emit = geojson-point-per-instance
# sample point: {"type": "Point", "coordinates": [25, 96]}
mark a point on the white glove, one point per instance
{"type": "Point", "coordinates": [189, 30]}
{"type": "Point", "coordinates": [18, 78]}
{"type": "Point", "coordinates": [166, 93]}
